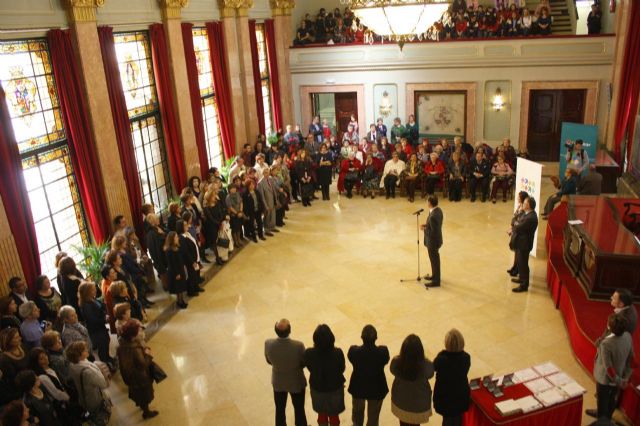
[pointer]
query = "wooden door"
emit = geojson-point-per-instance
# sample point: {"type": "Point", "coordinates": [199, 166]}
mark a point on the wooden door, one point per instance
{"type": "Point", "coordinates": [547, 110]}
{"type": "Point", "coordinates": [346, 104]}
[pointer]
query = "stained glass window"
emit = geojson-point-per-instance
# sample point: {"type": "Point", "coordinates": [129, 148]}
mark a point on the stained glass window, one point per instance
{"type": "Point", "coordinates": [136, 74]}
{"type": "Point", "coordinates": [27, 78]}
{"type": "Point", "coordinates": [264, 77]}
{"type": "Point", "coordinates": [208, 98]}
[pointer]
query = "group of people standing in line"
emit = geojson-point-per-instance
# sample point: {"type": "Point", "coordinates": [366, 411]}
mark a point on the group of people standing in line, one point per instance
{"type": "Point", "coordinates": [411, 394]}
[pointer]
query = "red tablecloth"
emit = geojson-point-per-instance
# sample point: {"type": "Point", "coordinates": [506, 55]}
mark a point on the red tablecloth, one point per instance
{"type": "Point", "coordinates": [483, 411]}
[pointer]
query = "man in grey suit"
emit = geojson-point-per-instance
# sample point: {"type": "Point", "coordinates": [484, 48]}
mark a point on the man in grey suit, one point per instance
{"type": "Point", "coordinates": [266, 190]}
{"type": "Point", "coordinates": [287, 376]}
{"type": "Point", "coordinates": [591, 183]}
{"type": "Point", "coordinates": [433, 240]}
{"type": "Point", "coordinates": [525, 230]}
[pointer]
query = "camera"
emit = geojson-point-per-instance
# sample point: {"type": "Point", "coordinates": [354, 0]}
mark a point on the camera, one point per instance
{"type": "Point", "coordinates": [569, 144]}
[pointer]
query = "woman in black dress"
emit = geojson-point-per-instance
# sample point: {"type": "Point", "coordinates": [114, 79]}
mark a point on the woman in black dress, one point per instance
{"type": "Point", "coordinates": [114, 259]}
{"type": "Point", "coordinates": [47, 299]}
{"type": "Point", "coordinates": [176, 271]}
{"type": "Point", "coordinates": [214, 213]}
{"type": "Point", "coordinates": [94, 313]}
{"type": "Point", "coordinates": [325, 164]}
{"type": "Point", "coordinates": [451, 394]}
{"type": "Point", "coordinates": [304, 171]}
{"type": "Point", "coordinates": [70, 281]}
{"type": "Point", "coordinates": [189, 249]}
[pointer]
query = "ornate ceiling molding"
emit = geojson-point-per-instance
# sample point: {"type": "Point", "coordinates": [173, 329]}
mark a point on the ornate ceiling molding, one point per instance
{"type": "Point", "coordinates": [83, 10]}
{"type": "Point", "coordinates": [172, 9]}
{"type": "Point", "coordinates": [282, 7]}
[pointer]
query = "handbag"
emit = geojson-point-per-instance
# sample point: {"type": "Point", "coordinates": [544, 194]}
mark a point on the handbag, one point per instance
{"type": "Point", "coordinates": [351, 176]}
{"type": "Point", "coordinates": [156, 372]}
{"type": "Point", "coordinates": [223, 242]}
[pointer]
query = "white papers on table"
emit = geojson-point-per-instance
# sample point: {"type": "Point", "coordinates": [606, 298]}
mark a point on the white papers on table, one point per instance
{"type": "Point", "coordinates": [546, 368]}
{"type": "Point", "coordinates": [575, 222]}
{"type": "Point", "coordinates": [551, 397]}
{"type": "Point", "coordinates": [507, 407]}
{"type": "Point", "coordinates": [525, 375]}
{"type": "Point", "coordinates": [538, 385]}
{"type": "Point", "coordinates": [528, 403]}
{"type": "Point", "coordinates": [572, 389]}
{"type": "Point", "coordinates": [559, 379]}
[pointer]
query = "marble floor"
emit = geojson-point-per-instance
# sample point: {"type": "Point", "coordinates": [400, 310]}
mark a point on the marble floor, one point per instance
{"type": "Point", "coordinates": [340, 262]}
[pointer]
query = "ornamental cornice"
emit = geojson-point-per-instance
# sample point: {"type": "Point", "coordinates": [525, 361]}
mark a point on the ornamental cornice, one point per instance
{"type": "Point", "coordinates": [172, 9]}
{"type": "Point", "coordinates": [282, 7]}
{"type": "Point", "coordinates": [83, 10]}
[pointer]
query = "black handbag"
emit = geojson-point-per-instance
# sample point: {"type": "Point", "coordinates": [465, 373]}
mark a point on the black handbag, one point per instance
{"type": "Point", "coordinates": [351, 176]}
{"type": "Point", "coordinates": [157, 373]}
{"type": "Point", "coordinates": [223, 242]}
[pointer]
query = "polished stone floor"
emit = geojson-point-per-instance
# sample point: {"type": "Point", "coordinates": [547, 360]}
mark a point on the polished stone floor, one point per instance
{"type": "Point", "coordinates": [340, 262]}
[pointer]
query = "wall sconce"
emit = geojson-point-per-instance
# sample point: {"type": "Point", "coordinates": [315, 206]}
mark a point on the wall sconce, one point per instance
{"type": "Point", "coordinates": [498, 101]}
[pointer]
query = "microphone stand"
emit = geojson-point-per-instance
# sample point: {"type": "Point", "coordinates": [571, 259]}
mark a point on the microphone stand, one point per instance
{"type": "Point", "coordinates": [419, 278]}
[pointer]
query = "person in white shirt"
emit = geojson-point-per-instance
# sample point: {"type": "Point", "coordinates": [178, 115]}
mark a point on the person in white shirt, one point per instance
{"type": "Point", "coordinates": [260, 166]}
{"type": "Point", "coordinates": [391, 175]}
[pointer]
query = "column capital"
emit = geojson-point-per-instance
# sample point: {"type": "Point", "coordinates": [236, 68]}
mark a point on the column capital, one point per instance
{"type": "Point", "coordinates": [172, 9]}
{"type": "Point", "coordinates": [282, 7]}
{"type": "Point", "coordinates": [231, 8]}
{"type": "Point", "coordinates": [83, 10]}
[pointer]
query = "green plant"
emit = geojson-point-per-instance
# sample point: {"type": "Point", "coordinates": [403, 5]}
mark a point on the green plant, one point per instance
{"type": "Point", "coordinates": [272, 139]}
{"type": "Point", "coordinates": [225, 170]}
{"type": "Point", "coordinates": [93, 256]}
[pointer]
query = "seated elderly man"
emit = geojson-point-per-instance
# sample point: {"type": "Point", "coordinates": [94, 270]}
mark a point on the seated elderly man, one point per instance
{"type": "Point", "coordinates": [568, 186]}
{"type": "Point", "coordinates": [391, 175]}
{"type": "Point", "coordinates": [433, 172]}
{"type": "Point", "coordinates": [479, 171]}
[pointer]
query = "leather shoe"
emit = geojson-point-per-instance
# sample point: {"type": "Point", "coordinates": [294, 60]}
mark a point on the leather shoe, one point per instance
{"type": "Point", "coordinates": [275, 230]}
{"type": "Point", "coordinates": [520, 289]}
{"type": "Point", "coordinates": [262, 238]}
{"type": "Point", "coordinates": [591, 412]}
{"type": "Point", "coordinates": [516, 280]}
{"type": "Point", "coordinates": [514, 274]}
{"type": "Point", "coordinates": [433, 284]}
{"type": "Point", "coordinates": [268, 234]}
{"type": "Point", "coordinates": [510, 271]}
{"type": "Point", "coordinates": [428, 277]}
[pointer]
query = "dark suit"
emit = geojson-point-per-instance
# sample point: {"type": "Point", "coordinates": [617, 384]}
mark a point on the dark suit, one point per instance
{"type": "Point", "coordinates": [590, 184]}
{"type": "Point", "coordinates": [286, 356]}
{"type": "Point", "coordinates": [630, 314]}
{"type": "Point", "coordinates": [525, 230]}
{"type": "Point", "coordinates": [368, 381]}
{"type": "Point", "coordinates": [433, 241]}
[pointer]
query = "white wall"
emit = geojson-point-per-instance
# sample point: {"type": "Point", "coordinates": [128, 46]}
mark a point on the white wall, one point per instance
{"type": "Point", "coordinates": [480, 62]}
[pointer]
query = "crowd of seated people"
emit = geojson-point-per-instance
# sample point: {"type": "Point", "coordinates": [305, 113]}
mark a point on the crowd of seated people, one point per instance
{"type": "Point", "coordinates": [397, 158]}
{"type": "Point", "coordinates": [462, 20]}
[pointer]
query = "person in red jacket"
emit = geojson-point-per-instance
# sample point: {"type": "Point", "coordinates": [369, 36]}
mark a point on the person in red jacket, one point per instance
{"type": "Point", "coordinates": [433, 173]}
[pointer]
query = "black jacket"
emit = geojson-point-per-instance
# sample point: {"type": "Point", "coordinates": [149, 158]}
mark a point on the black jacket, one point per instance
{"type": "Point", "coordinates": [451, 394]}
{"type": "Point", "coordinates": [525, 230]}
{"type": "Point", "coordinates": [154, 241]}
{"type": "Point", "coordinates": [482, 167]}
{"type": "Point", "coordinates": [433, 229]}
{"type": "Point", "coordinates": [175, 264]}
{"type": "Point", "coordinates": [326, 370]}
{"type": "Point", "coordinates": [189, 251]}
{"type": "Point", "coordinates": [248, 206]}
{"type": "Point", "coordinates": [368, 380]}
{"type": "Point", "coordinates": [95, 316]}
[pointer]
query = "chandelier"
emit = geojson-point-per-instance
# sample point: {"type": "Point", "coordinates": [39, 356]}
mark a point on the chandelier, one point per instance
{"type": "Point", "coordinates": [398, 20]}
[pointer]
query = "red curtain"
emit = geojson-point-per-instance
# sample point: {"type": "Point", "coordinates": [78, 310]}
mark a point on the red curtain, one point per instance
{"type": "Point", "coordinates": [215, 30]}
{"type": "Point", "coordinates": [257, 82]}
{"type": "Point", "coordinates": [161, 68]}
{"type": "Point", "coordinates": [15, 198]}
{"type": "Point", "coordinates": [194, 94]}
{"type": "Point", "coordinates": [629, 91]}
{"type": "Point", "coordinates": [276, 109]}
{"type": "Point", "coordinates": [122, 126]}
{"type": "Point", "coordinates": [73, 105]}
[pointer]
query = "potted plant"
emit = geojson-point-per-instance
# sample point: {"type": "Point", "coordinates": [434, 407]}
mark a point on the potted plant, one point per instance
{"type": "Point", "coordinates": [272, 139]}
{"type": "Point", "coordinates": [225, 170]}
{"type": "Point", "coordinates": [93, 255]}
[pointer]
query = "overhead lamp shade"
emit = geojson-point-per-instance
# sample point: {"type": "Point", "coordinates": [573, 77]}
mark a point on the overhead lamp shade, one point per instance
{"type": "Point", "coordinates": [401, 19]}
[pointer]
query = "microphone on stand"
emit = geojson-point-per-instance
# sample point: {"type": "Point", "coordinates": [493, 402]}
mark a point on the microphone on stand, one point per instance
{"type": "Point", "coordinates": [418, 212]}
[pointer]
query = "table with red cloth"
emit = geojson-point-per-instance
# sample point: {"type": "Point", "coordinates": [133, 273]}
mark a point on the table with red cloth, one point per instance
{"type": "Point", "coordinates": [482, 410]}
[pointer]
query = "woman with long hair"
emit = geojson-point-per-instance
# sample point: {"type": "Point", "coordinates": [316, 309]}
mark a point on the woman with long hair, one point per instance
{"type": "Point", "coordinates": [94, 313]}
{"type": "Point", "coordinates": [411, 392]}
{"type": "Point", "coordinates": [47, 299]}
{"type": "Point", "coordinates": [326, 367]}
{"type": "Point", "coordinates": [70, 279]}
{"type": "Point", "coordinates": [176, 271]}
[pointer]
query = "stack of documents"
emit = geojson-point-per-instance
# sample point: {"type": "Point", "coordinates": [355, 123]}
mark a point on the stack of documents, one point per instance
{"type": "Point", "coordinates": [551, 397]}
{"type": "Point", "coordinates": [538, 385]}
{"type": "Point", "coordinates": [546, 369]}
{"type": "Point", "coordinates": [525, 375]}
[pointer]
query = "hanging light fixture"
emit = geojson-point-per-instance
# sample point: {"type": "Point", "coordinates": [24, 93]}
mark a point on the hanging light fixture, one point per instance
{"type": "Point", "coordinates": [398, 20]}
{"type": "Point", "coordinates": [498, 101]}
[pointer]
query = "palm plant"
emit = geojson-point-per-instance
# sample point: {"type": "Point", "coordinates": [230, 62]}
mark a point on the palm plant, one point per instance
{"type": "Point", "coordinates": [93, 255]}
{"type": "Point", "coordinates": [225, 170]}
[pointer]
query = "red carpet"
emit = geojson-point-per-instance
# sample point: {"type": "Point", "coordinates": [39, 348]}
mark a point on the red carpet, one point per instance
{"type": "Point", "coordinates": [585, 319]}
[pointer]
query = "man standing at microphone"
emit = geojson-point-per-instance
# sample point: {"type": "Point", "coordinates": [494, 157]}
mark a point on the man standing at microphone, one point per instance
{"type": "Point", "coordinates": [433, 240]}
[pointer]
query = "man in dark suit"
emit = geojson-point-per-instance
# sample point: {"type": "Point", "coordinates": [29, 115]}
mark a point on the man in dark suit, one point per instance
{"type": "Point", "coordinates": [524, 230]}
{"type": "Point", "coordinates": [433, 240]}
{"type": "Point", "coordinates": [18, 292]}
{"type": "Point", "coordinates": [287, 375]}
{"type": "Point", "coordinates": [591, 183]}
{"type": "Point", "coordinates": [368, 382]}
{"type": "Point", "coordinates": [622, 302]}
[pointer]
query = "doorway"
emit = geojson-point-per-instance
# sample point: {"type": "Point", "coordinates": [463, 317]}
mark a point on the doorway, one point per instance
{"type": "Point", "coordinates": [547, 110]}
{"type": "Point", "coordinates": [336, 108]}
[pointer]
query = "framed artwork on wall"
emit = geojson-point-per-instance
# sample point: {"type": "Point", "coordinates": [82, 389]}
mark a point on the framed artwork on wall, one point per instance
{"type": "Point", "coordinates": [441, 114]}
{"type": "Point", "coordinates": [385, 104]}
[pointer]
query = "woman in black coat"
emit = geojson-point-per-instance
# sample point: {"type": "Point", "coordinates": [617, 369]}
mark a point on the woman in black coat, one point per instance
{"type": "Point", "coordinates": [326, 376]}
{"type": "Point", "coordinates": [325, 164]}
{"type": "Point", "coordinates": [189, 249]}
{"type": "Point", "coordinates": [95, 318]}
{"type": "Point", "coordinates": [252, 212]}
{"type": "Point", "coordinates": [304, 170]}
{"type": "Point", "coordinates": [176, 272]}
{"type": "Point", "coordinates": [154, 238]}
{"type": "Point", "coordinates": [451, 395]}
{"type": "Point", "coordinates": [214, 213]}
{"type": "Point", "coordinates": [71, 279]}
